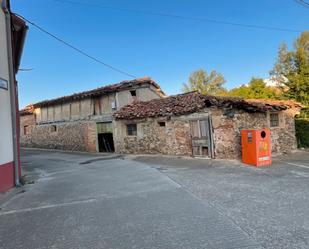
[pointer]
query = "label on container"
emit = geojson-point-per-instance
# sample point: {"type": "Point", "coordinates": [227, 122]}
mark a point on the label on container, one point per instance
{"type": "Point", "coordinates": [262, 159]}
{"type": "Point", "coordinates": [263, 147]}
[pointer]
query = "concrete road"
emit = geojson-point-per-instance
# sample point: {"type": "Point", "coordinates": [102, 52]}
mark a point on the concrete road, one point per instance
{"type": "Point", "coordinates": [86, 201]}
{"type": "Point", "coordinates": [270, 204]}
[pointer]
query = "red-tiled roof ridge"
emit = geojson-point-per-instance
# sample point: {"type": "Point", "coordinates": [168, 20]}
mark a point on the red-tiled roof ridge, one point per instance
{"type": "Point", "coordinates": [28, 110]}
{"type": "Point", "coordinates": [287, 103]}
{"type": "Point", "coordinates": [100, 91]}
{"type": "Point", "coordinates": [194, 102]}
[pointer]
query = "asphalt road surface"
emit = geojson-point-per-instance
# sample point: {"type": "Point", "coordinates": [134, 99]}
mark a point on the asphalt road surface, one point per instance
{"type": "Point", "coordinates": [95, 201]}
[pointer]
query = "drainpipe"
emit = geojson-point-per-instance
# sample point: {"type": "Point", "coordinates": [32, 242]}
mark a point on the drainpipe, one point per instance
{"type": "Point", "coordinates": [12, 91]}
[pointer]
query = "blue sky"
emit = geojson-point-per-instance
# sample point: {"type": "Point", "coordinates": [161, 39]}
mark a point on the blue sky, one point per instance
{"type": "Point", "coordinates": [166, 49]}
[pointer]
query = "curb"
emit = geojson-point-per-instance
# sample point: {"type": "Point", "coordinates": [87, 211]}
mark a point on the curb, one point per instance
{"type": "Point", "coordinates": [68, 151]}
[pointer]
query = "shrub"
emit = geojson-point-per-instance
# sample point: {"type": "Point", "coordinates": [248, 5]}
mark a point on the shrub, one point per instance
{"type": "Point", "coordinates": [302, 132]}
{"type": "Point", "coordinates": [304, 113]}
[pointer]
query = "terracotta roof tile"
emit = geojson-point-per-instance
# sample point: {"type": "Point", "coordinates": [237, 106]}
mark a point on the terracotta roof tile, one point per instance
{"type": "Point", "coordinates": [195, 102]}
{"type": "Point", "coordinates": [101, 91]}
{"type": "Point", "coordinates": [28, 110]}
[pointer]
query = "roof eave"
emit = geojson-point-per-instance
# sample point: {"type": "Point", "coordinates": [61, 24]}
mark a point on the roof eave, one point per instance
{"type": "Point", "coordinates": [99, 92]}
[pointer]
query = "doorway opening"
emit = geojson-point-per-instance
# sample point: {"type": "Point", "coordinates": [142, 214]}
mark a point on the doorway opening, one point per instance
{"type": "Point", "coordinates": [106, 142]}
{"type": "Point", "coordinates": [105, 137]}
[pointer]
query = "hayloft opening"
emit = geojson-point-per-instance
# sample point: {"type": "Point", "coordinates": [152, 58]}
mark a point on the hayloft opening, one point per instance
{"type": "Point", "coordinates": [133, 93]}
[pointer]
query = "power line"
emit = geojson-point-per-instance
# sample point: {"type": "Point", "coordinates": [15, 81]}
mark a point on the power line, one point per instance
{"type": "Point", "coordinates": [302, 2]}
{"type": "Point", "coordinates": [75, 48]}
{"type": "Point", "coordinates": [25, 69]}
{"type": "Point", "coordinates": [199, 19]}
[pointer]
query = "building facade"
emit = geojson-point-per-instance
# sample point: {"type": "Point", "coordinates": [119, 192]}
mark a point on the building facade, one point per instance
{"type": "Point", "coordinates": [205, 126]}
{"type": "Point", "coordinates": [12, 35]}
{"type": "Point", "coordinates": [82, 121]}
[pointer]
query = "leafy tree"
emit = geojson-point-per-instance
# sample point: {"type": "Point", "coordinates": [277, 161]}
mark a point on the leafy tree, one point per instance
{"type": "Point", "coordinates": [206, 84]}
{"type": "Point", "coordinates": [292, 69]}
{"type": "Point", "coordinates": [256, 89]}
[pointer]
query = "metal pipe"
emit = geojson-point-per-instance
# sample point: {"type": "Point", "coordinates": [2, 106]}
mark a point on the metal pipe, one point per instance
{"type": "Point", "coordinates": [12, 91]}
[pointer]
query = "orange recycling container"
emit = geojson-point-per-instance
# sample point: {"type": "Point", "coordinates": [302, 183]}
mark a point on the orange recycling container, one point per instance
{"type": "Point", "coordinates": [256, 147]}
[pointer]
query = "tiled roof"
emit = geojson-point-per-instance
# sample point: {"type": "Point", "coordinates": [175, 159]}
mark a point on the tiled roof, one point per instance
{"type": "Point", "coordinates": [28, 110]}
{"type": "Point", "coordinates": [194, 102]}
{"type": "Point", "coordinates": [101, 91]}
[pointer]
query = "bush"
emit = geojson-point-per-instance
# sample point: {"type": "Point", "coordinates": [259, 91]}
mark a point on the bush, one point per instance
{"type": "Point", "coordinates": [302, 132]}
{"type": "Point", "coordinates": [304, 113]}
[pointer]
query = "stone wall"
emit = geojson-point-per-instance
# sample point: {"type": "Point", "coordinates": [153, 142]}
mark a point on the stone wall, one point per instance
{"type": "Point", "coordinates": [171, 139]}
{"type": "Point", "coordinates": [72, 125]}
{"type": "Point", "coordinates": [283, 137]}
{"type": "Point", "coordinates": [175, 137]}
{"type": "Point", "coordinates": [74, 136]}
{"type": "Point", "coordinates": [26, 120]}
{"type": "Point", "coordinates": [226, 130]}
{"type": "Point", "coordinates": [27, 123]}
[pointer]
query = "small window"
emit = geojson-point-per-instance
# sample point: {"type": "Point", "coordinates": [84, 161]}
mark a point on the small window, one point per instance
{"type": "Point", "coordinates": [133, 93]}
{"type": "Point", "coordinates": [274, 120]}
{"type": "Point", "coordinates": [26, 130]}
{"type": "Point", "coordinates": [162, 124]}
{"type": "Point", "coordinates": [205, 151]}
{"type": "Point", "coordinates": [53, 128]}
{"type": "Point", "coordinates": [113, 104]}
{"type": "Point", "coordinates": [131, 129]}
{"type": "Point", "coordinates": [96, 107]}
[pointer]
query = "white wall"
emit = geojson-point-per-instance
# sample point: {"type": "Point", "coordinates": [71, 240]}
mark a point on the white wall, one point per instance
{"type": "Point", "coordinates": [143, 93]}
{"type": "Point", "coordinates": [6, 141]}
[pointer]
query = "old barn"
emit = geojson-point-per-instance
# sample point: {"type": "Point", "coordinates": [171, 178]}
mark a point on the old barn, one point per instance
{"type": "Point", "coordinates": [82, 121]}
{"type": "Point", "coordinates": [193, 124]}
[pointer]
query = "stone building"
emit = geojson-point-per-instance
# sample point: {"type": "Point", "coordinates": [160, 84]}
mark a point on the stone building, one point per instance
{"type": "Point", "coordinates": [201, 125]}
{"type": "Point", "coordinates": [82, 121]}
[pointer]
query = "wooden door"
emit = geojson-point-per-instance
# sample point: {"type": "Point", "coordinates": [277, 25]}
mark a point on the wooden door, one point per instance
{"type": "Point", "coordinates": [201, 137]}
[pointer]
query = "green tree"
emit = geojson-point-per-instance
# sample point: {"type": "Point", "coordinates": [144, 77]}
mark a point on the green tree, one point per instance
{"type": "Point", "coordinates": [292, 69]}
{"type": "Point", "coordinates": [206, 84]}
{"type": "Point", "coordinates": [241, 92]}
{"type": "Point", "coordinates": [256, 89]}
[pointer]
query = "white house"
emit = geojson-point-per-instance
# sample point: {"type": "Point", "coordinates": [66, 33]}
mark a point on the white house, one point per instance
{"type": "Point", "coordinates": [12, 35]}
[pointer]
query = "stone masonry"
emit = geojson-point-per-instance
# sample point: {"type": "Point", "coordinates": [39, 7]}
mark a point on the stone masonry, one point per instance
{"type": "Point", "coordinates": [163, 125]}
{"type": "Point", "coordinates": [175, 137]}
{"type": "Point", "coordinates": [70, 122]}
{"type": "Point", "coordinates": [74, 136]}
